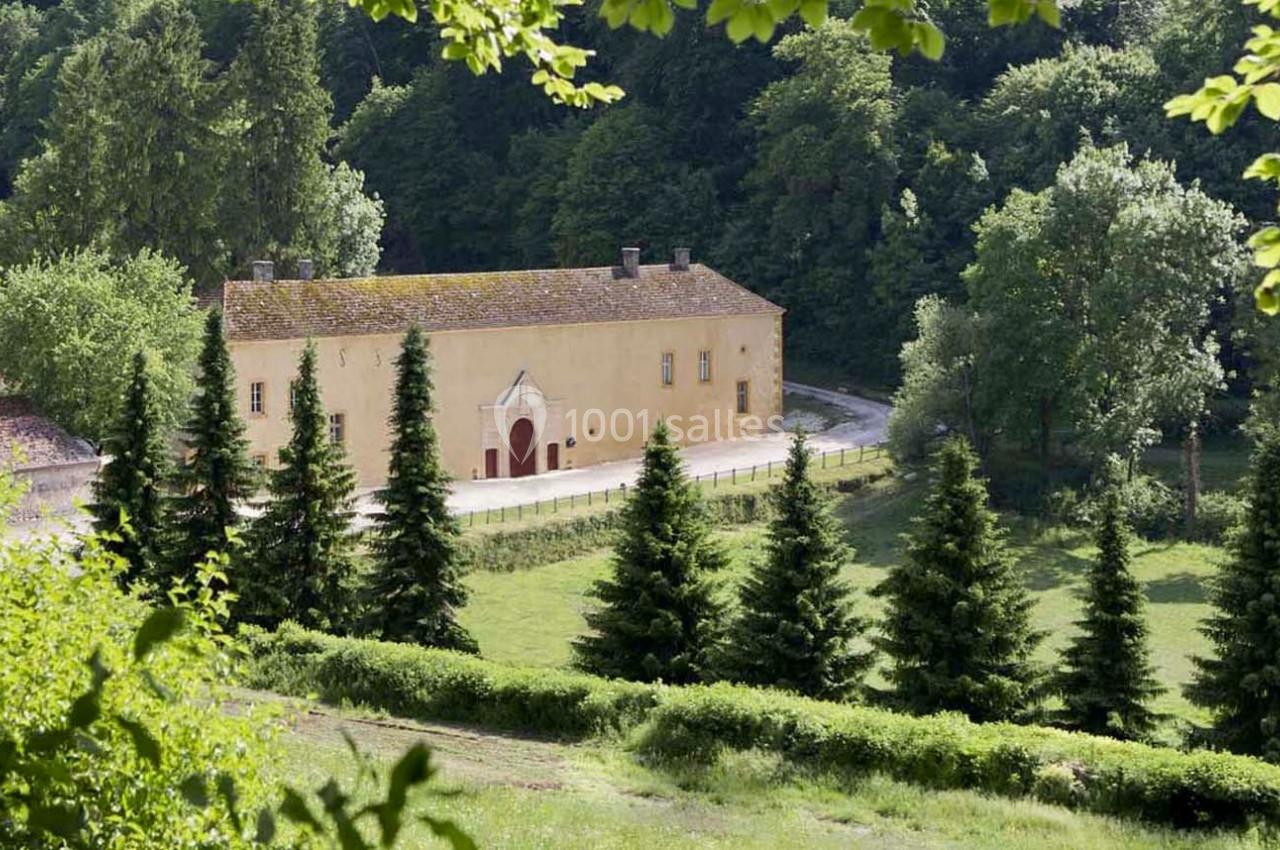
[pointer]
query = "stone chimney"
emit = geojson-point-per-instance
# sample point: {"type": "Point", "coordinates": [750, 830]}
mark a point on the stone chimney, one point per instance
{"type": "Point", "coordinates": [306, 269]}
{"type": "Point", "coordinates": [680, 260]}
{"type": "Point", "coordinates": [264, 270]}
{"type": "Point", "coordinates": [630, 264]}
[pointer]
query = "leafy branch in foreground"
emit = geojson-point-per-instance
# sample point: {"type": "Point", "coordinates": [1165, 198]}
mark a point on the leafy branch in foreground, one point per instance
{"type": "Point", "coordinates": [483, 33]}
{"type": "Point", "coordinates": [1220, 102]}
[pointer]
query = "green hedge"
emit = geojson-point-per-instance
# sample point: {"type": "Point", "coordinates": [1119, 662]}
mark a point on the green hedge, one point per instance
{"type": "Point", "coordinates": [411, 681]}
{"type": "Point", "coordinates": [559, 539]}
{"type": "Point", "coordinates": [1080, 771]}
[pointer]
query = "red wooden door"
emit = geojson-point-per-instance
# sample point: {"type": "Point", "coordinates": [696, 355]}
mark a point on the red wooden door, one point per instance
{"type": "Point", "coordinates": [553, 456]}
{"type": "Point", "coordinates": [490, 463]}
{"type": "Point", "coordinates": [524, 457]}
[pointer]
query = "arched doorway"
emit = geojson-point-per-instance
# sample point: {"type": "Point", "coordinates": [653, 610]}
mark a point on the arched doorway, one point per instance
{"type": "Point", "coordinates": [524, 456]}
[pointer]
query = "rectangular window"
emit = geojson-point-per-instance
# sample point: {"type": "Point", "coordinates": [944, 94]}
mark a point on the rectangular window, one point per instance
{"type": "Point", "coordinates": [255, 398]}
{"type": "Point", "coordinates": [668, 368]}
{"type": "Point", "coordinates": [260, 461]}
{"type": "Point", "coordinates": [337, 427]}
{"type": "Point", "coordinates": [704, 366]}
{"type": "Point", "coordinates": [743, 397]}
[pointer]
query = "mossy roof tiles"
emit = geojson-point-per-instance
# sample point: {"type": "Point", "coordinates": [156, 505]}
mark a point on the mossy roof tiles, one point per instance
{"type": "Point", "coordinates": [289, 309]}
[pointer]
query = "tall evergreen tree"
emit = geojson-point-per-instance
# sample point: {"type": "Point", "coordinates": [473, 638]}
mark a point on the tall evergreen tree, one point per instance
{"type": "Point", "coordinates": [1107, 680]}
{"type": "Point", "coordinates": [796, 625]}
{"type": "Point", "coordinates": [417, 585]}
{"type": "Point", "coordinates": [1240, 685]}
{"type": "Point", "coordinates": [302, 547]}
{"type": "Point", "coordinates": [128, 496]}
{"type": "Point", "coordinates": [958, 626]}
{"type": "Point", "coordinates": [286, 115]}
{"type": "Point", "coordinates": [659, 619]}
{"type": "Point", "coordinates": [217, 474]}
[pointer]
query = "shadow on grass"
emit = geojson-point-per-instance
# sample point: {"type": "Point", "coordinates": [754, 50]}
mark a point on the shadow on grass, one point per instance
{"type": "Point", "coordinates": [1178, 589]}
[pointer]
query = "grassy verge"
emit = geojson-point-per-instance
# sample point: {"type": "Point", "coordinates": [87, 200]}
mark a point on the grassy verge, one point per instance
{"type": "Point", "coordinates": [514, 793]}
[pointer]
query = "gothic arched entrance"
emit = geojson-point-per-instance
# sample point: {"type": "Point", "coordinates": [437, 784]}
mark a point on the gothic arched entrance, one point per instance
{"type": "Point", "coordinates": [524, 455]}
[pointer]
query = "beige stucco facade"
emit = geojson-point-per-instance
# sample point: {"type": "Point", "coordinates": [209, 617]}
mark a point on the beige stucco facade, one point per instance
{"type": "Point", "coordinates": [599, 386]}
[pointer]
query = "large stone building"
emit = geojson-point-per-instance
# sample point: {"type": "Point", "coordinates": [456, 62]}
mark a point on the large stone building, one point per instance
{"type": "Point", "coordinates": [534, 370]}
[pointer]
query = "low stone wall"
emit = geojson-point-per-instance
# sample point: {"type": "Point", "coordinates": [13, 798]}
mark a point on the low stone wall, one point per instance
{"type": "Point", "coordinates": [55, 490]}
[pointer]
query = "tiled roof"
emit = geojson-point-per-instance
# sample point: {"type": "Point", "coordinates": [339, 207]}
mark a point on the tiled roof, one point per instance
{"type": "Point", "coordinates": [287, 309]}
{"type": "Point", "coordinates": [41, 442]}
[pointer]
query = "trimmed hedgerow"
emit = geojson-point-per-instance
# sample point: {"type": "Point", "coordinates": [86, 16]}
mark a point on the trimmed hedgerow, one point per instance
{"type": "Point", "coordinates": [560, 539]}
{"type": "Point", "coordinates": [1102, 775]}
{"type": "Point", "coordinates": [1200, 789]}
{"type": "Point", "coordinates": [434, 684]}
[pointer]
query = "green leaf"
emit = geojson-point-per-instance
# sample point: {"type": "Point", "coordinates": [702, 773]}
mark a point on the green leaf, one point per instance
{"type": "Point", "coordinates": [1267, 295]}
{"type": "Point", "coordinates": [740, 25]}
{"type": "Point", "coordinates": [143, 742]}
{"type": "Point", "coordinates": [814, 12]}
{"type": "Point", "coordinates": [162, 625]}
{"type": "Point", "coordinates": [1267, 99]}
{"type": "Point", "coordinates": [930, 40]}
{"type": "Point", "coordinates": [721, 10]}
{"type": "Point", "coordinates": [1049, 12]}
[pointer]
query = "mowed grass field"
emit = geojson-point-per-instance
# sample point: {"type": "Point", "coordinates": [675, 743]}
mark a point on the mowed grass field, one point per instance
{"type": "Point", "coordinates": [531, 616]}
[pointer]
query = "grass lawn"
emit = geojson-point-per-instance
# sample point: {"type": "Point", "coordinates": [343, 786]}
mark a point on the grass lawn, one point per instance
{"type": "Point", "coordinates": [511, 792]}
{"type": "Point", "coordinates": [531, 616]}
{"type": "Point", "coordinates": [1222, 465]}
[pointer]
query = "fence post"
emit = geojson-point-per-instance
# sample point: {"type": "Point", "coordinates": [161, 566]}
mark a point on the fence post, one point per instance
{"type": "Point", "coordinates": [824, 460]}
{"type": "Point", "coordinates": [624, 491]}
{"type": "Point", "coordinates": [471, 518]}
{"type": "Point", "coordinates": [770, 475]}
{"type": "Point", "coordinates": [715, 479]}
{"type": "Point", "coordinates": [861, 451]}
{"type": "Point", "coordinates": [753, 472]}
{"type": "Point", "coordinates": [588, 498]}
{"type": "Point", "coordinates": [733, 475]}
{"type": "Point", "coordinates": [503, 517]}
{"type": "Point", "coordinates": [488, 514]}
{"type": "Point", "coordinates": [555, 504]}
{"type": "Point", "coordinates": [842, 456]}
{"type": "Point", "coordinates": [519, 512]}
{"type": "Point", "coordinates": [572, 498]}
{"type": "Point", "coordinates": [606, 495]}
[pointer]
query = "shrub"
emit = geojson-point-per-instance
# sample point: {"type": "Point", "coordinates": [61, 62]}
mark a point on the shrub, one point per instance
{"type": "Point", "coordinates": [106, 786]}
{"type": "Point", "coordinates": [941, 751]}
{"type": "Point", "coordinates": [443, 685]}
{"type": "Point", "coordinates": [948, 751]}
{"type": "Point", "coordinates": [1217, 514]}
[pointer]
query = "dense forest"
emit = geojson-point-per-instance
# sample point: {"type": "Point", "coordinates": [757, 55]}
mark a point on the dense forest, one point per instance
{"type": "Point", "coordinates": [841, 182]}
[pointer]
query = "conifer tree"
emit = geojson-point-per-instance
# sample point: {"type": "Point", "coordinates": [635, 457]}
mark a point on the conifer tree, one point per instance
{"type": "Point", "coordinates": [957, 628]}
{"type": "Point", "coordinates": [301, 562]}
{"type": "Point", "coordinates": [1107, 679]}
{"type": "Point", "coordinates": [128, 496]}
{"type": "Point", "coordinates": [217, 475]}
{"type": "Point", "coordinates": [1240, 684]}
{"type": "Point", "coordinates": [286, 113]}
{"type": "Point", "coordinates": [416, 588]}
{"type": "Point", "coordinates": [795, 624]}
{"type": "Point", "coordinates": [658, 620]}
